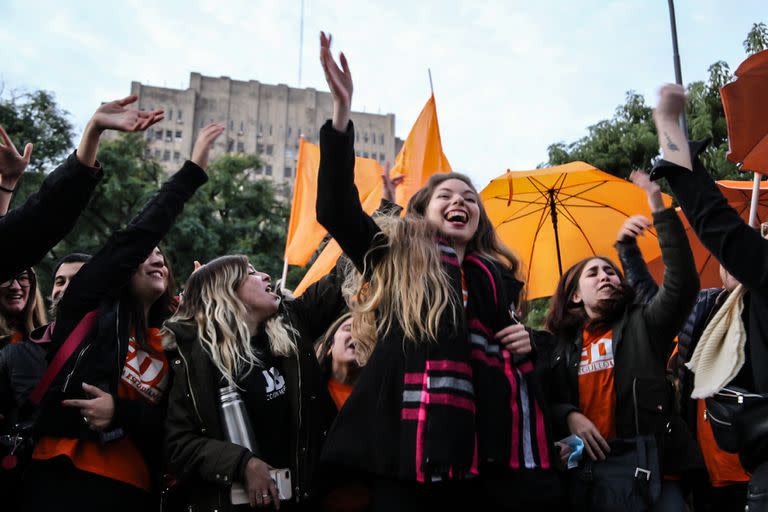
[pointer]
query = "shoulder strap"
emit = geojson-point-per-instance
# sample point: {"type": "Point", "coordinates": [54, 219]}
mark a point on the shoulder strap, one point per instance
{"type": "Point", "coordinates": [62, 355]}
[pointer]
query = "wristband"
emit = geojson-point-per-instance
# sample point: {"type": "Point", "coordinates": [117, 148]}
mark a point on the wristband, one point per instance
{"type": "Point", "coordinates": [6, 189]}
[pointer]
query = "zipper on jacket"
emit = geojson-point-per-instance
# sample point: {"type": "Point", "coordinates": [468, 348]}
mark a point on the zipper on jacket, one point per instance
{"type": "Point", "coordinates": [117, 336]}
{"type": "Point", "coordinates": [634, 400]}
{"type": "Point", "coordinates": [77, 361]}
{"type": "Point", "coordinates": [191, 392]}
{"type": "Point", "coordinates": [712, 418]}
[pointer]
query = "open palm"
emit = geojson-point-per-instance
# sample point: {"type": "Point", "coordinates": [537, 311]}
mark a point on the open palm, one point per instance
{"type": "Point", "coordinates": [339, 80]}
{"type": "Point", "coordinates": [12, 164]}
{"type": "Point", "coordinates": [115, 116]}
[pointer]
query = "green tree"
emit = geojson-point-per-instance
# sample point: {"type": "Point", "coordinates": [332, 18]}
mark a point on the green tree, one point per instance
{"type": "Point", "coordinates": [757, 39]}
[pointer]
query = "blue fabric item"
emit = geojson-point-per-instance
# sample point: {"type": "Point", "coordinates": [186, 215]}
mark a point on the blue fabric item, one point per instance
{"type": "Point", "coordinates": [576, 444]}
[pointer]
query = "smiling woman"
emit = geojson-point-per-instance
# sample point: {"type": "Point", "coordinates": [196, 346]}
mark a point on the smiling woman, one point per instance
{"type": "Point", "coordinates": [21, 307]}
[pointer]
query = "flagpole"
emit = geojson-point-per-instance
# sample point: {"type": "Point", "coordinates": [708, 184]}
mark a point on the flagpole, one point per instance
{"type": "Point", "coordinates": [432, 89]}
{"type": "Point", "coordinates": [676, 59]}
{"type": "Point", "coordinates": [285, 274]}
{"type": "Point", "coordinates": [755, 197]}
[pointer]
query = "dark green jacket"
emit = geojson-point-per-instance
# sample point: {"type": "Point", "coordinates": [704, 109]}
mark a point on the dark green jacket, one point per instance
{"type": "Point", "coordinates": [642, 343]}
{"type": "Point", "coordinates": [204, 463]}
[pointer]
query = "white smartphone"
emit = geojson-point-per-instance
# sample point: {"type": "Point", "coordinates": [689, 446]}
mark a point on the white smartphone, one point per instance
{"type": "Point", "coordinates": [282, 479]}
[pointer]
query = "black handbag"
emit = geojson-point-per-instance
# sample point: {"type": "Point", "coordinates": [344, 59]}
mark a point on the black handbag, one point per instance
{"type": "Point", "coordinates": [629, 479]}
{"type": "Point", "coordinates": [734, 414]}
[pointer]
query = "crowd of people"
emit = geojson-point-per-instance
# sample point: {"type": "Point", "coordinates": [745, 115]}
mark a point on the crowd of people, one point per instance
{"type": "Point", "coordinates": [404, 379]}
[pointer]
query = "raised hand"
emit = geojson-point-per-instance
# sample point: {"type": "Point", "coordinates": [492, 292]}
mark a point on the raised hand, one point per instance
{"type": "Point", "coordinates": [115, 116]}
{"type": "Point", "coordinates": [339, 81]}
{"type": "Point", "coordinates": [390, 184]}
{"type": "Point", "coordinates": [671, 102]}
{"type": "Point", "coordinates": [642, 180]}
{"type": "Point", "coordinates": [203, 144]}
{"type": "Point", "coordinates": [12, 164]}
{"type": "Point", "coordinates": [633, 227]}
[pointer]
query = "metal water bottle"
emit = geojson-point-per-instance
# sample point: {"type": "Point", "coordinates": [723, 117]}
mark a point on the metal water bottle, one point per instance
{"type": "Point", "coordinates": [238, 430]}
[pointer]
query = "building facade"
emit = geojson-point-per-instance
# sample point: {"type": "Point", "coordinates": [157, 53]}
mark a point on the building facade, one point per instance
{"type": "Point", "coordinates": [266, 120]}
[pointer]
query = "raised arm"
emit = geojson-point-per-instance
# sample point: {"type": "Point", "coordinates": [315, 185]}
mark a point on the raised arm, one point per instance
{"type": "Point", "coordinates": [12, 166]}
{"type": "Point", "coordinates": [669, 308]}
{"type": "Point", "coordinates": [738, 247]}
{"type": "Point", "coordinates": [112, 266]}
{"type": "Point", "coordinates": [338, 202]}
{"type": "Point", "coordinates": [53, 210]}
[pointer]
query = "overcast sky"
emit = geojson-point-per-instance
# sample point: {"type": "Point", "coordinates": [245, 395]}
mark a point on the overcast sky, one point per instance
{"type": "Point", "coordinates": [510, 77]}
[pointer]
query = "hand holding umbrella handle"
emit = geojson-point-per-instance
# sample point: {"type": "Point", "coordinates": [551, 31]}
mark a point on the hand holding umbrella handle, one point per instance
{"type": "Point", "coordinates": [666, 115]}
{"type": "Point", "coordinates": [652, 189]}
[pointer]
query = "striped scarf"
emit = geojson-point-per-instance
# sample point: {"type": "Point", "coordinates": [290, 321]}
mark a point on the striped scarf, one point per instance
{"type": "Point", "coordinates": [467, 401]}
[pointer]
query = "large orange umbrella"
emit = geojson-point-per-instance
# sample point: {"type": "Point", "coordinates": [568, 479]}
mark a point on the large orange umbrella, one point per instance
{"type": "Point", "coordinates": [746, 109]}
{"type": "Point", "coordinates": [739, 195]}
{"type": "Point", "coordinates": [555, 217]}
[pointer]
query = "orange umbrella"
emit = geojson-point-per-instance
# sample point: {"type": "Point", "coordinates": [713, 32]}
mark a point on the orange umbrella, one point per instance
{"type": "Point", "coordinates": [746, 108]}
{"type": "Point", "coordinates": [555, 217]}
{"type": "Point", "coordinates": [739, 195]}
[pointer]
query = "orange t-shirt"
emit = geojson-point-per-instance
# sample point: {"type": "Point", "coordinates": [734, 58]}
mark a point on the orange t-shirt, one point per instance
{"type": "Point", "coordinates": [724, 468]}
{"type": "Point", "coordinates": [145, 377]}
{"type": "Point", "coordinates": [339, 392]}
{"type": "Point", "coordinates": [597, 396]}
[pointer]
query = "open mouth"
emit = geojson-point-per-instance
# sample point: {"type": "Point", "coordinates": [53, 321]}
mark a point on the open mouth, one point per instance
{"type": "Point", "coordinates": [156, 273]}
{"type": "Point", "coordinates": [457, 216]}
{"type": "Point", "coordinates": [607, 286]}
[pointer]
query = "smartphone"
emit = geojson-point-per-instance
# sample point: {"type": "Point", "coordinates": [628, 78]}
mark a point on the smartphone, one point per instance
{"type": "Point", "coordinates": [282, 479]}
{"type": "Point", "coordinates": [764, 229]}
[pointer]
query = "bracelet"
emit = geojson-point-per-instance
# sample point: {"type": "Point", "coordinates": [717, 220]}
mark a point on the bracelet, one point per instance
{"type": "Point", "coordinates": [6, 189]}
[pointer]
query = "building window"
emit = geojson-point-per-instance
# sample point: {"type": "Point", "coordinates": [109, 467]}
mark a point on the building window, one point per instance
{"type": "Point", "coordinates": [157, 154]}
{"type": "Point", "coordinates": [382, 157]}
{"type": "Point", "coordinates": [147, 153]}
{"type": "Point", "coordinates": [176, 156]}
{"type": "Point", "coordinates": [258, 170]}
{"type": "Point", "coordinates": [158, 134]}
{"type": "Point", "coordinates": [170, 114]}
{"type": "Point", "coordinates": [240, 147]}
{"type": "Point", "coordinates": [260, 148]}
{"type": "Point", "coordinates": [242, 127]}
{"type": "Point", "coordinates": [365, 137]}
{"type": "Point", "coordinates": [268, 170]}
{"type": "Point", "coordinates": [178, 135]}
{"type": "Point", "coordinates": [150, 134]}
{"type": "Point", "coordinates": [365, 154]}
{"type": "Point", "coordinates": [381, 139]}
{"type": "Point", "coordinates": [230, 145]}
{"type": "Point", "coordinates": [168, 135]}
{"type": "Point", "coordinates": [357, 137]}
{"type": "Point", "coordinates": [270, 149]}
{"type": "Point", "coordinates": [231, 124]}
{"type": "Point", "coordinates": [166, 155]}
{"type": "Point", "coordinates": [290, 131]}
{"type": "Point", "coordinates": [178, 116]}
{"type": "Point", "coordinates": [270, 130]}
{"type": "Point", "coordinates": [202, 123]}
{"type": "Point", "coordinates": [287, 172]}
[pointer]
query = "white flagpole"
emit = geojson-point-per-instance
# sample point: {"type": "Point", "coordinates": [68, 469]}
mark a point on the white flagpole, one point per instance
{"type": "Point", "coordinates": [755, 197]}
{"type": "Point", "coordinates": [285, 274]}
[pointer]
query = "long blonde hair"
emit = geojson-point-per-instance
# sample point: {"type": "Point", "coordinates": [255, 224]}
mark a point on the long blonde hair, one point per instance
{"type": "Point", "coordinates": [210, 303]}
{"type": "Point", "coordinates": [409, 285]}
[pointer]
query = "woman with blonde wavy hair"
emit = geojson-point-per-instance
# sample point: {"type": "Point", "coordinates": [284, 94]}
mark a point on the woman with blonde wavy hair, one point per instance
{"type": "Point", "coordinates": [232, 329]}
{"type": "Point", "coordinates": [448, 411]}
{"type": "Point", "coordinates": [21, 307]}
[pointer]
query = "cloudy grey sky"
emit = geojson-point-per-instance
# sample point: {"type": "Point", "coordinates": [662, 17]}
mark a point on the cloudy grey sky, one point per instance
{"type": "Point", "coordinates": [510, 77]}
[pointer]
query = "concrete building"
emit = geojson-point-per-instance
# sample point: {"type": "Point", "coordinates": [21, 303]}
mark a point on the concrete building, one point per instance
{"type": "Point", "coordinates": [261, 119]}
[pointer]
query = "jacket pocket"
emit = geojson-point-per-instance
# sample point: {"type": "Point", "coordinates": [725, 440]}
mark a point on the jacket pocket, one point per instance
{"type": "Point", "coordinates": [654, 405]}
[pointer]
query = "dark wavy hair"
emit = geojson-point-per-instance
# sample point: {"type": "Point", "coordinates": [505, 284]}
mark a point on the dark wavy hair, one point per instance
{"type": "Point", "coordinates": [565, 317]}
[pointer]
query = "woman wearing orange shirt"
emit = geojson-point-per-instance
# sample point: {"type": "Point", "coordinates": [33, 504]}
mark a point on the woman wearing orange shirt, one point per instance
{"type": "Point", "coordinates": [100, 422]}
{"type": "Point", "coordinates": [608, 369]}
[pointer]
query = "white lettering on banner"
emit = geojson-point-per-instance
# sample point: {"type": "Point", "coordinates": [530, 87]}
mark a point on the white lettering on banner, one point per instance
{"type": "Point", "coordinates": [275, 383]}
{"type": "Point", "coordinates": [597, 357]}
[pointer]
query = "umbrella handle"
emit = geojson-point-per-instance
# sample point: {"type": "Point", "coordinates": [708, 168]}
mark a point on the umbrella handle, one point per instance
{"type": "Point", "coordinates": [755, 197]}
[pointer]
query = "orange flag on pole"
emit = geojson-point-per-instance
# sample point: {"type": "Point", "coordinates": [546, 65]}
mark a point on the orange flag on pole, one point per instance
{"type": "Point", "coordinates": [304, 232]}
{"type": "Point", "coordinates": [421, 156]}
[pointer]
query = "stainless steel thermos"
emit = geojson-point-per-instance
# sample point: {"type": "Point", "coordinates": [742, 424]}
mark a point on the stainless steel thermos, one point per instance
{"type": "Point", "coordinates": [238, 429]}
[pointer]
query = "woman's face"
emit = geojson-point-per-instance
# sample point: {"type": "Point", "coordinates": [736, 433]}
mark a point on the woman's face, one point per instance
{"type": "Point", "coordinates": [598, 281]}
{"type": "Point", "coordinates": [256, 293]}
{"type": "Point", "coordinates": [344, 347]}
{"type": "Point", "coordinates": [150, 280]}
{"type": "Point", "coordinates": [453, 209]}
{"type": "Point", "coordinates": [14, 295]}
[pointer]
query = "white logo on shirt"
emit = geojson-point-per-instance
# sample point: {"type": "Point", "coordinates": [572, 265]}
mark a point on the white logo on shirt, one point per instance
{"type": "Point", "coordinates": [275, 383]}
{"type": "Point", "coordinates": [598, 356]}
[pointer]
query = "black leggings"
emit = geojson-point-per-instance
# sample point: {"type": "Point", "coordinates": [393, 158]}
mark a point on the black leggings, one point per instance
{"type": "Point", "coordinates": [56, 485]}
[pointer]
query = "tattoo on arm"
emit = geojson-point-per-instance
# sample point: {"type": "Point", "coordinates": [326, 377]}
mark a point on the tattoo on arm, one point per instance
{"type": "Point", "coordinates": [671, 145]}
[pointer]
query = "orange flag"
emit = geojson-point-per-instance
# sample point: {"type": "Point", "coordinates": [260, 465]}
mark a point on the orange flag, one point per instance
{"type": "Point", "coordinates": [304, 232]}
{"type": "Point", "coordinates": [421, 156]}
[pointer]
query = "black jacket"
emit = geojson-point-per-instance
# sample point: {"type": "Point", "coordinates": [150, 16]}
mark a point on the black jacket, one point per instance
{"type": "Point", "coordinates": [743, 253]}
{"type": "Point", "coordinates": [642, 342]}
{"type": "Point", "coordinates": [101, 356]}
{"type": "Point", "coordinates": [47, 216]}
{"type": "Point", "coordinates": [205, 463]}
